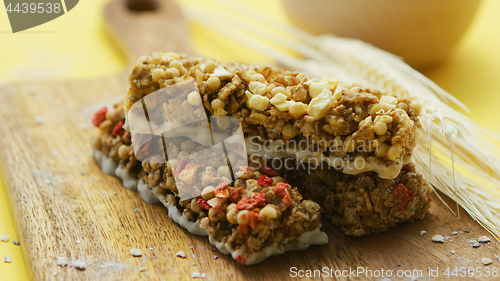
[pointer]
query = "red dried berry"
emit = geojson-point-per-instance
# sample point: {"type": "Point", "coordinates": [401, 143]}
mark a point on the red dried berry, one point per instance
{"type": "Point", "coordinates": [99, 116]}
{"type": "Point", "coordinates": [281, 188]}
{"type": "Point", "coordinates": [244, 204]}
{"type": "Point", "coordinates": [241, 260]}
{"type": "Point", "coordinates": [253, 219]}
{"type": "Point", "coordinates": [403, 195]}
{"type": "Point", "coordinates": [265, 181]}
{"type": "Point", "coordinates": [258, 199]}
{"type": "Point", "coordinates": [203, 204]}
{"type": "Point", "coordinates": [118, 129]}
{"type": "Point", "coordinates": [235, 194]}
{"type": "Point", "coordinates": [222, 190]}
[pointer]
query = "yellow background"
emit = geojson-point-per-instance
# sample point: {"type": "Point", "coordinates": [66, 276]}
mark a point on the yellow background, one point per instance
{"type": "Point", "coordinates": [76, 46]}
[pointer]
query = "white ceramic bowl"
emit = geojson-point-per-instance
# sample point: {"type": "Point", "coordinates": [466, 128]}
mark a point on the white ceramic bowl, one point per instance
{"type": "Point", "coordinates": [423, 32]}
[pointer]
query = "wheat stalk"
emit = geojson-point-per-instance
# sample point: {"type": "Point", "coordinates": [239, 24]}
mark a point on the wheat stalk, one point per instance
{"type": "Point", "coordinates": [454, 152]}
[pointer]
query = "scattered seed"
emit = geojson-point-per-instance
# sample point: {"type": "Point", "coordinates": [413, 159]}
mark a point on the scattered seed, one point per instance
{"type": "Point", "coordinates": [62, 261]}
{"type": "Point", "coordinates": [7, 259]}
{"type": "Point", "coordinates": [216, 257]}
{"type": "Point", "coordinates": [438, 238]}
{"type": "Point", "coordinates": [4, 238]}
{"type": "Point", "coordinates": [191, 247]}
{"type": "Point", "coordinates": [452, 251]}
{"type": "Point", "coordinates": [16, 243]}
{"type": "Point", "coordinates": [142, 269]}
{"type": "Point", "coordinates": [181, 254]}
{"type": "Point", "coordinates": [465, 231]}
{"type": "Point", "coordinates": [423, 232]}
{"type": "Point", "coordinates": [39, 119]}
{"type": "Point", "coordinates": [475, 245]}
{"type": "Point", "coordinates": [79, 265]}
{"type": "Point", "coordinates": [483, 239]}
{"type": "Point", "coordinates": [454, 233]}
{"type": "Point", "coordinates": [486, 261]}
{"type": "Point", "coordinates": [136, 252]}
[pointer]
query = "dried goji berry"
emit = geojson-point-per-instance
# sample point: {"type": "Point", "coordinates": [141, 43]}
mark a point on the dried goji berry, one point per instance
{"type": "Point", "coordinates": [203, 204]}
{"type": "Point", "coordinates": [258, 199]}
{"type": "Point", "coordinates": [243, 229]}
{"type": "Point", "coordinates": [244, 204]}
{"type": "Point", "coordinates": [241, 260]}
{"type": "Point", "coordinates": [235, 194]}
{"type": "Point", "coordinates": [287, 199]}
{"type": "Point", "coordinates": [403, 195]}
{"type": "Point", "coordinates": [118, 129]}
{"type": "Point", "coordinates": [253, 220]}
{"type": "Point", "coordinates": [99, 116]}
{"type": "Point", "coordinates": [265, 181]}
{"type": "Point", "coordinates": [222, 190]}
{"type": "Point", "coordinates": [280, 188]}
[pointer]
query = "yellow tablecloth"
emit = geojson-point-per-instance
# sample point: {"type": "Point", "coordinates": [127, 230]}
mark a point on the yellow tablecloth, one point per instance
{"type": "Point", "coordinates": [75, 46]}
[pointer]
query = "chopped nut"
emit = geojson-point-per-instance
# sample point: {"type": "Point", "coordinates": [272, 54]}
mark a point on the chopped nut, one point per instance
{"type": "Point", "coordinates": [257, 88]}
{"type": "Point", "coordinates": [422, 232]}
{"type": "Point", "coordinates": [7, 259]}
{"type": "Point", "coordinates": [483, 239]}
{"type": "Point", "coordinates": [221, 73]}
{"type": "Point", "coordinates": [4, 238]}
{"type": "Point", "coordinates": [258, 102]}
{"type": "Point", "coordinates": [79, 264]}
{"type": "Point", "coordinates": [62, 261]}
{"type": "Point", "coordinates": [319, 106]}
{"type": "Point", "coordinates": [486, 261]}
{"type": "Point", "coordinates": [136, 252]}
{"type": "Point", "coordinates": [281, 102]}
{"type": "Point", "coordinates": [474, 244]}
{"type": "Point", "coordinates": [181, 254]}
{"type": "Point", "coordinates": [316, 89]}
{"type": "Point", "coordinates": [438, 238]}
{"type": "Point", "coordinates": [298, 109]}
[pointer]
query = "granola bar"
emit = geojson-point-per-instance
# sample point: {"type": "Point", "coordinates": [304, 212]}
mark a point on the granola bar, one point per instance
{"type": "Point", "coordinates": [253, 218]}
{"type": "Point", "coordinates": [364, 203]}
{"type": "Point", "coordinates": [323, 121]}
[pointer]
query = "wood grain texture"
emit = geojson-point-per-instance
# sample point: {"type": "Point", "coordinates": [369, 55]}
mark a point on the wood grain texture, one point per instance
{"type": "Point", "coordinates": [64, 205]}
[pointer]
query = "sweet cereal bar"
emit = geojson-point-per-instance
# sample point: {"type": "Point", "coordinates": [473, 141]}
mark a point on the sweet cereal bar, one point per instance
{"type": "Point", "coordinates": [257, 216]}
{"type": "Point", "coordinates": [260, 213]}
{"type": "Point", "coordinates": [341, 125]}
{"type": "Point", "coordinates": [364, 203]}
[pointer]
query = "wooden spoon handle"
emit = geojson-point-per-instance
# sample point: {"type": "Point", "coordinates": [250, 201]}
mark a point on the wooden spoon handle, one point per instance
{"type": "Point", "coordinates": [144, 26]}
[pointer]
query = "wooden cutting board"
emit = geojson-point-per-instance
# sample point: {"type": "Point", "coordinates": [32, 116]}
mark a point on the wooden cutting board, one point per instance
{"type": "Point", "coordinates": [63, 204]}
